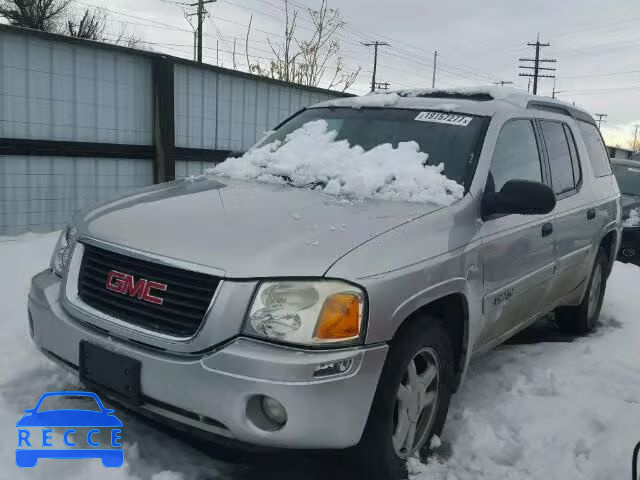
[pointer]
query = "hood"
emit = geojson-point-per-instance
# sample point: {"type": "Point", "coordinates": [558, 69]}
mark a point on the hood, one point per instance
{"type": "Point", "coordinates": [246, 229]}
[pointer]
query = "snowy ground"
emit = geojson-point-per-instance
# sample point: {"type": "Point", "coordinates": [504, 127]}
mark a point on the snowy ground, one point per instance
{"type": "Point", "coordinates": [543, 407]}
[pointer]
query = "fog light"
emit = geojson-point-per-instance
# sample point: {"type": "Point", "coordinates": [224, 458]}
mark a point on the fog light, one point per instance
{"type": "Point", "coordinates": [628, 252]}
{"type": "Point", "coordinates": [332, 368]}
{"type": "Point", "coordinates": [274, 410]}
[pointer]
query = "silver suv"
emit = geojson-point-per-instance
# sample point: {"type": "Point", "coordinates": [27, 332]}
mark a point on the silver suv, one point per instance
{"type": "Point", "coordinates": [284, 317]}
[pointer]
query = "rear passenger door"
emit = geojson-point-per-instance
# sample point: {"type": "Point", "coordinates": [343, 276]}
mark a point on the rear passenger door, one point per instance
{"type": "Point", "coordinates": [517, 249]}
{"type": "Point", "coordinates": [574, 218]}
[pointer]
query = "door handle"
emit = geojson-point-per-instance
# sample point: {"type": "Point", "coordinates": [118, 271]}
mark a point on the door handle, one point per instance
{"type": "Point", "coordinates": [591, 214]}
{"type": "Point", "coordinates": [547, 229]}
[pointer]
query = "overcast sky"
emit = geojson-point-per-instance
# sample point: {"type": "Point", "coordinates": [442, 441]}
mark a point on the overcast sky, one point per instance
{"type": "Point", "coordinates": [596, 43]}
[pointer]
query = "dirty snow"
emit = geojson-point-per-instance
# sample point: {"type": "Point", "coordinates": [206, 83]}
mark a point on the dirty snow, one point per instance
{"type": "Point", "coordinates": [545, 407]}
{"type": "Point", "coordinates": [311, 156]}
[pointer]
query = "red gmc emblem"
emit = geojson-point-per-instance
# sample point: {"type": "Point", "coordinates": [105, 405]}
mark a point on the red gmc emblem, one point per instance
{"type": "Point", "coordinates": [125, 284]}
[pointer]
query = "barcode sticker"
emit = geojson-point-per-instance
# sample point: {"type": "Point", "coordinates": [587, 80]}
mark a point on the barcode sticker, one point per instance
{"type": "Point", "coordinates": [446, 118]}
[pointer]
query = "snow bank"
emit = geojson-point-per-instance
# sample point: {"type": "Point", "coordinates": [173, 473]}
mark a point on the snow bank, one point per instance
{"type": "Point", "coordinates": [311, 156]}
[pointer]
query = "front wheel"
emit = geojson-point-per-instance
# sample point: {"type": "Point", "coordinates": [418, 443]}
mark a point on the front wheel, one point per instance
{"type": "Point", "coordinates": [411, 402]}
{"type": "Point", "coordinates": [582, 319]}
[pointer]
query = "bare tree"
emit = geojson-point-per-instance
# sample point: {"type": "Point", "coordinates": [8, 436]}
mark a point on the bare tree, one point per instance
{"type": "Point", "coordinates": [91, 26]}
{"type": "Point", "coordinates": [635, 142]}
{"type": "Point", "coordinates": [125, 38]}
{"type": "Point", "coordinates": [313, 60]}
{"type": "Point", "coordinates": [246, 43]}
{"type": "Point", "coordinates": [56, 16]}
{"type": "Point", "coordinates": [235, 65]}
{"type": "Point", "coordinates": [42, 15]}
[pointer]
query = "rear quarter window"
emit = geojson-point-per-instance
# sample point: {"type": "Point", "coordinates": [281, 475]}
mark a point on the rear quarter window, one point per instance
{"type": "Point", "coordinates": [596, 149]}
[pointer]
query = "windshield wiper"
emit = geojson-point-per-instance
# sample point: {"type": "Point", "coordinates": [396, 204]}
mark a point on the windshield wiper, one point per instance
{"type": "Point", "coordinates": [312, 185]}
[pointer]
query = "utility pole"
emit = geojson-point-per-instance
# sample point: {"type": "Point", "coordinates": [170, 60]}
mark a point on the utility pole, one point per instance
{"type": "Point", "coordinates": [636, 140]}
{"type": "Point", "coordinates": [435, 66]}
{"type": "Point", "coordinates": [382, 85]}
{"type": "Point", "coordinates": [375, 46]}
{"type": "Point", "coordinates": [201, 12]}
{"type": "Point", "coordinates": [537, 61]}
{"type": "Point", "coordinates": [601, 118]}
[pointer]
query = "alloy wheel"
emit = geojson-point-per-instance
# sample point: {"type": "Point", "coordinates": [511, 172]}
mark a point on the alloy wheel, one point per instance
{"type": "Point", "coordinates": [416, 403]}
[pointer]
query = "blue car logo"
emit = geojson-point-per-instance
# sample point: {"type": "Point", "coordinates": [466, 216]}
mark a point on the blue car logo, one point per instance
{"type": "Point", "coordinates": [36, 436]}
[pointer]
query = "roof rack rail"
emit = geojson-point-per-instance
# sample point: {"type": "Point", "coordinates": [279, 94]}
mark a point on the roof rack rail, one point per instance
{"type": "Point", "coordinates": [478, 97]}
{"type": "Point", "coordinates": [549, 107]}
{"type": "Point", "coordinates": [560, 109]}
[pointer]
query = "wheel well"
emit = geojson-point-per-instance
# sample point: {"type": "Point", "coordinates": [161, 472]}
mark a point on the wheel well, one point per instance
{"type": "Point", "coordinates": [454, 313]}
{"type": "Point", "coordinates": [608, 244]}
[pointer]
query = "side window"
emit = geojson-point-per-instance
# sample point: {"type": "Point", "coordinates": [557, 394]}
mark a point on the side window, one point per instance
{"type": "Point", "coordinates": [598, 155]}
{"type": "Point", "coordinates": [575, 159]}
{"type": "Point", "coordinates": [560, 160]}
{"type": "Point", "coordinates": [516, 155]}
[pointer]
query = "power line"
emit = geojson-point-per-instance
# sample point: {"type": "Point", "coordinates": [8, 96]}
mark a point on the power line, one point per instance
{"type": "Point", "coordinates": [603, 90]}
{"type": "Point", "coordinates": [592, 75]}
{"type": "Point", "coordinates": [537, 61]}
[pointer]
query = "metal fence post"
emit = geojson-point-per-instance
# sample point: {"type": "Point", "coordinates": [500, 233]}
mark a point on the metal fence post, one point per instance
{"type": "Point", "coordinates": [164, 128]}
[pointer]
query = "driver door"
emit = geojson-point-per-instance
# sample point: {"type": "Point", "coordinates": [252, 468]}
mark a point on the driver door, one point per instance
{"type": "Point", "coordinates": [518, 250]}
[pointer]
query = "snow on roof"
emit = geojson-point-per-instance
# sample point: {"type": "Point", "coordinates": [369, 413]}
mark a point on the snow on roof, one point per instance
{"type": "Point", "coordinates": [487, 98]}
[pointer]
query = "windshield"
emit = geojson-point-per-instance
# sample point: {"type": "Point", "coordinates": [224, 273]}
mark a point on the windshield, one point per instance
{"type": "Point", "coordinates": [450, 139]}
{"type": "Point", "coordinates": [628, 179]}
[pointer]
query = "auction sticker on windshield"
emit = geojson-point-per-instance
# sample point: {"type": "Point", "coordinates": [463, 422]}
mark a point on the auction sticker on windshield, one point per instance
{"type": "Point", "coordinates": [447, 118]}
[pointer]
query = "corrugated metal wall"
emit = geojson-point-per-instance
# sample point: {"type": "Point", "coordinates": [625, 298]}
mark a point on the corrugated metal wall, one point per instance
{"type": "Point", "coordinates": [40, 193]}
{"type": "Point", "coordinates": [60, 90]}
{"type": "Point", "coordinates": [66, 92]}
{"type": "Point", "coordinates": [215, 110]}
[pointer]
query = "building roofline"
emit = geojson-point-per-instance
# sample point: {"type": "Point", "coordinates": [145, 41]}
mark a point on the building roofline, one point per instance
{"type": "Point", "coordinates": [154, 56]}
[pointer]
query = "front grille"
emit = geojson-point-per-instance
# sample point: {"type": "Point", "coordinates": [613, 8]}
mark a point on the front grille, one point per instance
{"type": "Point", "coordinates": [184, 303]}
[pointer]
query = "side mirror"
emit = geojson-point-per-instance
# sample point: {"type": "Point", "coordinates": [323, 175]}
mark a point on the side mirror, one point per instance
{"type": "Point", "coordinates": [519, 196]}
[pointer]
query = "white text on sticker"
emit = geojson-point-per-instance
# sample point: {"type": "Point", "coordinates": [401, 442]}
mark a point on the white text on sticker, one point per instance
{"type": "Point", "coordinates": [447, 118]}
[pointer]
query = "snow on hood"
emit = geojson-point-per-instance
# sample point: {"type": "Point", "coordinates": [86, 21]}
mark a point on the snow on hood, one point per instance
{"type": "Point", "coordinates": [311, 156]}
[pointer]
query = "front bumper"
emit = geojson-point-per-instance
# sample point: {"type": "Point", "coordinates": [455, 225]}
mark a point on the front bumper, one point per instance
{"type": "Point", "coordinates": [210, 392]}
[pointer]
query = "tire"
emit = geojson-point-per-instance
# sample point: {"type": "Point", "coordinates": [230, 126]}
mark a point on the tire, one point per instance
{"type": "Point", "coordinates": [582, 319]}
{"type": "Point", "coordinates": [425, 344]}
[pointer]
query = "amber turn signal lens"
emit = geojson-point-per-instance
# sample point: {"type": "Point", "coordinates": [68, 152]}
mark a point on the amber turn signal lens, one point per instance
{"type": "Point", "coordinates": [340, 317]}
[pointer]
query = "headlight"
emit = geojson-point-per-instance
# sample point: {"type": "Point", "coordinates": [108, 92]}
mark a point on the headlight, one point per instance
{"type": "Point", "coordinates": [307, 312]}
{"type": "Point", "coordinates": [63, 251]}
{"type": "Point", "coordinates": [633, 220]}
